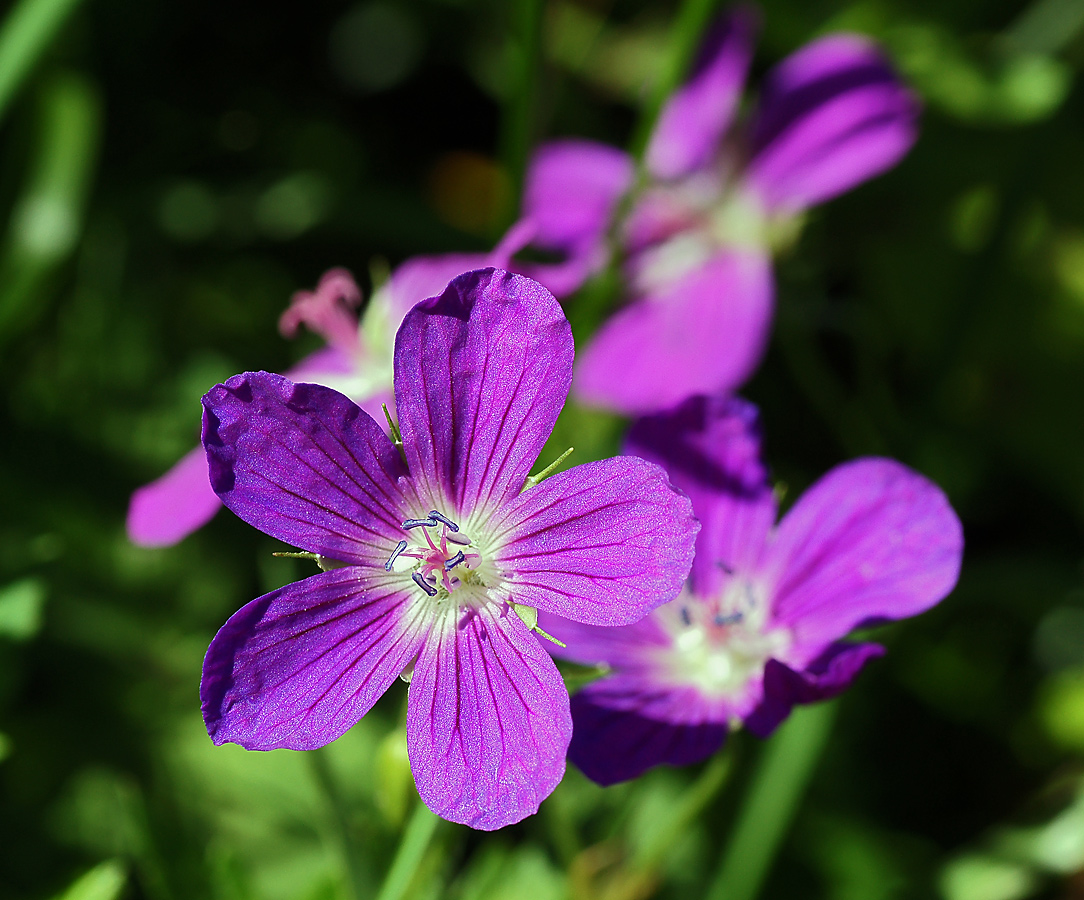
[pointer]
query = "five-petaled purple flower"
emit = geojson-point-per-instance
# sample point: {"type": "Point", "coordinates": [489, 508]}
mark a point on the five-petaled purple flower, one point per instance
{"type": "Point", "coordinates": [356, 361]}
{"type": "Point", "coordinates": [760, 624]}
{"type": "Point", "coordinates": [699, 230]}
{"type": "Point", "coordinates": [446, 557]}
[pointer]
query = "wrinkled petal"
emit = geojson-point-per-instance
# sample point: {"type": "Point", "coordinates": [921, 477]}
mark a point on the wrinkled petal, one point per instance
{"type": "Point", "coordinates": [703, 333]}
{"type": "Point", "coordinates": [299, 666]}
{"type": "Point", "coordinates": [602, 543]}
{"type": "Point", "coordinates": [828, 675]}
{"type": "Point", "coordinates": [695, 118]}
{"type": "Point", "coordinates": [833, 115]}
{"type": "Point", "coordinates": [870, 541]}
{"type": "Point", "coordinates": [488, 723]}
{"type": "Point", "coordinates": [304, 464]}
{"type": "Point", "coordinates": [172, 507]}
{"type": "Point", "coordinates": [571, 190]}
{"type": "Point", "coordinates": [480, 375]}
{"type": "Point", "coordinates": [624, 725]}
{"type": "Point", "coordinates": [710, 447]}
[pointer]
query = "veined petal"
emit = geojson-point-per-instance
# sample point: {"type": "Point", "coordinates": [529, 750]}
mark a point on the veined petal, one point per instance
{"type": "Point", "coordinates": [571, 190]}
{"type": "Point", "coordinates": [602, 543]}
{"type": "Point", "coordinates": [481, 373]}
{"type": "Point", "coordinates": [172, 507]}
{"type": "Point", "coordinates": [710, 447]}
{"type": "Point", "coordinates": [593, 645]}
{"type": "Point", "coordinates": [299, 666]}
{"type": "Point", "coordinates": [304, 464]}
{"type": "Point", "coordinates": [488, 723]}
{"type": "Point", "coordinates": [871, 541]}
{"type": "Point", "coordinates": [624, 724]}
{"type": "Point", "coordinates": [828, 675]}
{"type": "Point", "coordinates": [702, 333]}
{"type": "Point", "coordinates": [695, 118]}
{"type": "Point", "coordinates": [833, 115]}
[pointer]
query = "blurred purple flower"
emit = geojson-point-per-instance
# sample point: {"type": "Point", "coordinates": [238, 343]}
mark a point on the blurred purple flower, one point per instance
{"type": "Point", "coordinates": [445, 557]}
{"type": "Point", "coordinates": [700, 230]}
{"type": "Point", "coordinates": [357, 361]}
{"type": "Point", "coordinates": [759, 626]}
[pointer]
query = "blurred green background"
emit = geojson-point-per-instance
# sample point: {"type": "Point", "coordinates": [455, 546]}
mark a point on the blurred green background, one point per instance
{"type": "Point", "coordinates": [170, 172]}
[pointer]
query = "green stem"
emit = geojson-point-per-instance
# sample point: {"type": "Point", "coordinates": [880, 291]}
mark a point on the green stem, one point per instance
{"type": "Point", "coordinates": [416, 837]}
{"type": "Point", "coordinates": [519, 121]}
{"type": "Point", "coordinates": [25, 34]}
{"type": "Point", "coordinates": [688, 28]}
{"type": "Point", "coordinates": [341, 814]}
{"type": "Point", "coordinates": [789, 761]}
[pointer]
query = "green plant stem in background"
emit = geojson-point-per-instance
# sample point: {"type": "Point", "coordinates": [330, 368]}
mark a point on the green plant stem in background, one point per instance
{"type": "Point", "coordinates": [519, 122]}
{"type": "Point", "coordinates": [416, 837]}
{"type": "Point", "coordinates": [26, 32]}
{"type": "Point", "coordinates": [789, 760]}
{"type": "Point", "coordinates": [325, 779]}
{"type": "Point", "coordinates": [692, 19]}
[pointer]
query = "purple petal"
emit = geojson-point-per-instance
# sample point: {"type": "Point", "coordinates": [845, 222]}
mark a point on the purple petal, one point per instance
{"type": "Point", "coordinates": [602, 543]}
{"type": "Point", "coordinates": [299, 666]}
{"type": "Point", "coordinates": [422, 277]}
{"type": "Point", "coordinates": [828, 675]}
{"type": "Point", "coordinates": [871, 541]}
{"type": "Point", "coordinates": [480, 375]}
{"type": "Point", "coordinates": [165, 511]}
{"type": "Point", "coordinates": [304, 464]}
{"type": "Point", "coordinates": [488, 723]}
{"type": "Point", "coordinates": [594, 645]}
{"type": "Point", "coordinates": [571, 190]}
{"type": "Point", "coordinates": [702, 333]}
{"type": "Point", "coordinates": [710, 447]}
{"type": "Point", "coordinates": [622, 726]}
{"type": "Point", "coordinates": [833, 115]}
{"type": "Point", "coordinates": [695, 118]}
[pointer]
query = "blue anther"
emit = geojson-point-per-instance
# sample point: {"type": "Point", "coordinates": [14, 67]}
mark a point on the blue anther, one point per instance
{"type": "Point", "coordinates": [394, 555]}
{"type": "Point", "coordinates": [417, 523]}
{"type": "Point", "coordinates": [450, 564]}
{"type": "Point", "coordinates": [423, 584]}
{"type": "Point", "coordinates": [685, 617]}
{"type": "Point", "coordinates": [443, 519]}
{"type": "Point", "coordinates": [731, 619]}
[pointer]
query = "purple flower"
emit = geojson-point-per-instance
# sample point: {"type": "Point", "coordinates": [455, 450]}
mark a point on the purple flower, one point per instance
{"type": "Point", "coordinates": [698, 235]}
{"type": "Point", "coordinates": [445, 557]}
{"type": "Point", "coordinates": [356, 361]}
{"type": "Point", "coordinates": [759, 626]}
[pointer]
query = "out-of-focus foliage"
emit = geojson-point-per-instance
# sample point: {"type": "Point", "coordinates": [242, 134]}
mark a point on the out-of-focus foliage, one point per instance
{"type": "Point", "coordinates": [171, 172]}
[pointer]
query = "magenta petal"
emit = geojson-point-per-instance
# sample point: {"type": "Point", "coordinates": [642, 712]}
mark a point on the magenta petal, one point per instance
{"type": "Point", "coordinates": [325, 362]}
{"type": "Point", "coordinates": [488, 723]}
{"type": "Point", "coordinates": [828, 675]}
{"type": "Point", "coordinates": [833, 115]}
{"type": "Point", "coordinates": [622, 726]}
{"type": "Point", "coordinates": [172, 507]}
{"type": "Point", "coordinates": [703, 333]}
{"type": "Point", "coordinates": [594, 645]}
{"type": "Point", "coordinates": [870, 541]}
{"type": "Point", "coordinates": [602, 543]}
{"type": "Point", "coordinates": [710, 447]}
{"type": "Point", "coordinates": [480, 375]}
{"type": "Point", "coordinates": [695, 118]}
{"type": "Point", "coordinates": [304, 464]}
{"type": "Point", "coordinates": [299, 666]}
{"type": "Point", "coordinates": [571, 190]}
{"type": "Point", "coordinates": [422, 277]}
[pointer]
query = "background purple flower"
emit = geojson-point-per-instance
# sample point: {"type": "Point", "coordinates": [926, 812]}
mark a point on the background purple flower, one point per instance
{"type": "Point", "coordinates": [759, 626]}
{"type": "Point", "coordinates": [446, 557]}
{"type": "Point", "coordinates": [700, 232]}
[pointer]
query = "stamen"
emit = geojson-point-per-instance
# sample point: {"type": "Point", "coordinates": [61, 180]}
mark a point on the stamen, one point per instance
{"type": "Point", "coordinates": [443, 519]}
{"type": "Point", "coordinates": [454, 561]}
{"type": "Point", "coordinates": [419, 523]}
{"type": "Point", "coordinates": [731, 619]}
{"type": "Point", "coordinates": [400, 547]}
{"type": "Point", "coordinates": [458, 539]}
{"type": "Point", "coordinates": [685, 617]}
{"type": "Point", "coordinates": [423, 584]}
